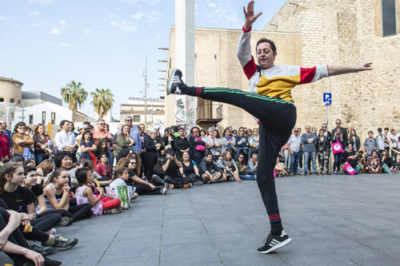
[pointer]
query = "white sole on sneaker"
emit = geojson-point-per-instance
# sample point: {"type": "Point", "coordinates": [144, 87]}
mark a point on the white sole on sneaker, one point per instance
{"type": "Point", "coordinates": [171, 81]}
{"type": "Point", "coordinates": [282, 244]}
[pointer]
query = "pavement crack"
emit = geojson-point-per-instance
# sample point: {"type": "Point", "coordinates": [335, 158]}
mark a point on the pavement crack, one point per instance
{"type": "Point", "coordinates": [161, 234]}
{"type": "Point", "coordinates": [109, 245]}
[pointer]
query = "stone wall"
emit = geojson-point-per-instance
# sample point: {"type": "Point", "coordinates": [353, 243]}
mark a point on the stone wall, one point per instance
{"type": "Point", "coordinates": [345, 32]}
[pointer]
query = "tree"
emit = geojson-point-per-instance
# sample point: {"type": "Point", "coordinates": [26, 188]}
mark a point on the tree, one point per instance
{"type": "Point", "coordinates": [102, 100]}
{"type": "Point", "coordinates": [73, 94]}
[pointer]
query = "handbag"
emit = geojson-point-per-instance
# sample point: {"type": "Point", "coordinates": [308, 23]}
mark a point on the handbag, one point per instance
{"type": "Point", "coordinates": [337, 147]}
{"type": "Point", "coordinates": [199, 147]}
{"type": "Point", "coordinates": [349, 169]}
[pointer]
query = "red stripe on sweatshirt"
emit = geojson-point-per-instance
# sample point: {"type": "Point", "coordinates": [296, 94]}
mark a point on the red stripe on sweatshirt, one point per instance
{"type": "Point", "coordinates": [307, 74]}
{"type": "Point", "coordinates": [250, 68]}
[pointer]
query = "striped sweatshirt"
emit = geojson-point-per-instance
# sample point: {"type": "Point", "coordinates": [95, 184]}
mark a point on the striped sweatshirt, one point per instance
{"type": "Point", "coordinates": [277, 81]}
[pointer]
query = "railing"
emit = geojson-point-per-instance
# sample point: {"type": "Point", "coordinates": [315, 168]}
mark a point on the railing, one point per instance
{"type": "Point", "coordinates": [206, 113]}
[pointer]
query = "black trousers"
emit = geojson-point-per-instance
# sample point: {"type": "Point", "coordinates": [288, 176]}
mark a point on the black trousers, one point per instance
{"type": "Point", "coordinates": [178, 181]}
{"type": "Point", "coordinates": [16, 237]}
{"type": "Point", "coordinates": [277, 119]}
{"type": "Point", "coordinates": [145, 189]}
{"type": "Point", "coordinates": [46, 221]}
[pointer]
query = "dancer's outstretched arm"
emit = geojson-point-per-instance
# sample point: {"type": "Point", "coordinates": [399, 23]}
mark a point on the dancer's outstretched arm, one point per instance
{"type": "Point", "coordinates": [338, 70]}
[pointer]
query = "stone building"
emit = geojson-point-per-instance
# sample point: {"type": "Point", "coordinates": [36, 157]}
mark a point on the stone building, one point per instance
{"type": "Point", "coordinates": [136, 108]}
{"type": "Point", "coordinates": [309, 33]}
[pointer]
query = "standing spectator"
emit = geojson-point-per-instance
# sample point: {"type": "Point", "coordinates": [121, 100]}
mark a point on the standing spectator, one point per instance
{"type": "Point", "coordinates": [196, 146]}
{"type": "Point", "coordinates": [152, 146]}
{"type": "Point", "coordinates": [43, 144]}
{"type": "Point", "coordinates": [3, 125]}
{"type": "Point", "coordinates": [228, 142]}
{"type": "Point", "coordinates": [181, 144]}
{"type": "Point", "coordinates": [343, 131]}
{"type": "Point", "coordinates": [354, 140]}
{"type": "Point", "coordinates": [323, 148]}
{"type": "Point", "coordinates": [20, 140]}
{"type": "Point", "coordinates": [308, 139]}
{"type": "Point", "coordinates": [327, 134]}
{"type": "Point", "coordinates": [394, 144]}
{"type": "Point", "coordinates": [203, 135]}
{"type": "Point", "coordinates": [242, 143]}
{"type": "Point", "coordinates": [370, 144]}
{"type": "Point", "coordinates": [294, 149]}
{"type": "Point", "coordinates": [135, 133]}
{"type": "Point", "coordinates": [380, 139]}
{"type": "Point", "coordinates": [387, 139]}
{"type": "Point", "coordinates": [168, 138]}
{"type": "Point", "coordinates": [4, 146]}
{"type": "Point", "coordinates": [103, 134]}
{"type": "Point", "coordinates": [124, 143]}
{"type": "Point", "coordinates": [88, 147]}
{"type": "Point", "coordinates": [338, 157]}
{"type": "Point", "coordinates": [213, 142]}
{"type": "Point", "coordinates": [65, 139]}
{"type": "Point", "coordinates": [300, 169]}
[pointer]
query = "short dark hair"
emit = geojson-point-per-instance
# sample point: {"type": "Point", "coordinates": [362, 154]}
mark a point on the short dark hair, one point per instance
{"type": "Point", "coordinates": [63, 122]}
{"type": "Point", "coordinates": [81, 175]}
{"type": "Point", "coordinates": [28, 169]}
{"type": "Point", "coordinates": [60, 156]}
{"type": "Point", "coordinates": [271, 43]}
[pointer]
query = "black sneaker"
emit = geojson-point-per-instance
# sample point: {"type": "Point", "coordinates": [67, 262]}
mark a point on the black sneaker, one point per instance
{"type": "Point", "coordinates": [274, 242]}
{"type": "Point", "coordinates": [174, 81]}
{"type": "Point", "coordinates": [44, 250]}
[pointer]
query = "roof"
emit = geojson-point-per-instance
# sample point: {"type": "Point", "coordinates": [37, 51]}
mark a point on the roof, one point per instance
{"type": "Point", "coordinates": [12, 80]}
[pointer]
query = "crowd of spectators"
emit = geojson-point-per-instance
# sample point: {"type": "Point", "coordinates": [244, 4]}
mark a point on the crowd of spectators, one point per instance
{"type": "Point", "coordinates": [47, 182]}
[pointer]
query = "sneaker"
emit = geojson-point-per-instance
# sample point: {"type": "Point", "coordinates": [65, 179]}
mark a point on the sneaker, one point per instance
{"type": "Point", "coordinates": [116, 210]}
{"type": "Point", "coordinates": [174, 81]}
{"type": "Point", "coordinates": [62, 243]}
{"type": "Point", "coordinates": [65, 221]}
{"type": "Point", "coordinates": [198, 183]}
{"type": "Point", "coordinates": [52, 231]}
{"type": "Point", "coordinates": [164, 190]}
{"type": "Point", "coordinates": [272, 243]}
{"type": "Point", "coordinates": [187, 185]}
{"type": "Point", "coordinates": [44, 250]}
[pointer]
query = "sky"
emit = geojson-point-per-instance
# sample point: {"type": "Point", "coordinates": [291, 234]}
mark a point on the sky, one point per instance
{"type": "Point", "coordinates": [102, 43]}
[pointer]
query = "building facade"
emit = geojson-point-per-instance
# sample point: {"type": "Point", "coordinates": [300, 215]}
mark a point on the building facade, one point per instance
{"type": "Point", "coordinates": [136, 108]}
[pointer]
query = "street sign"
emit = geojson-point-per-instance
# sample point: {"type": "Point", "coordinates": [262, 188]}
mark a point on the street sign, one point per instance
{"type": "Point", "coordinates": [327, 99]}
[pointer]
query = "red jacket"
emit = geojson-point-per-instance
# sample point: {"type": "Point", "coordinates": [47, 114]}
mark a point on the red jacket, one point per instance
{"type": "Point", "coordinates": [4, 145]}
{"type": "Point", "coordinates": [104, 171]}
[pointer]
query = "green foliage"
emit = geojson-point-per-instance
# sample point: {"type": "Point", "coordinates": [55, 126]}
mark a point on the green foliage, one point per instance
{"type": "Point", "coordinates": [73, 94]}
{"type": "Point", "coordinates": [102, 100]}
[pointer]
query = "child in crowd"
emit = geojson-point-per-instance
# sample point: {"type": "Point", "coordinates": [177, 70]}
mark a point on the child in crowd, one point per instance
{"type": "Point", "coordinates": [103, 168]}
{"type": "Point", "coordinates": [84, 195]}
{"type": "Point", "coordinates": [280, 167]}
{"type": "Point", "coordinates": [120, 178]}
{"type": "Point", "coordinates": [57, 192]}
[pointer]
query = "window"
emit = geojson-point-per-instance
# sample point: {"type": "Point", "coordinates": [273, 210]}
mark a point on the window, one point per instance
{"type": "Point", "coordinates": [12, 100]}
{"type": "Point", "coordinates": [136, 118]}
{"type": "Point", "coordinates": [30, 119]}
{"type": "Point", "coordinates": [44, 117]}
{"type": "Point", "coordinates": [1, 99]}
{"type": "Point", "coordinates": [389, 17]}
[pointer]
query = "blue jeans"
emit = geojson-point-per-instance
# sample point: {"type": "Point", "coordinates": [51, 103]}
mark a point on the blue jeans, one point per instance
{"type": "Point", "coordinates": [247, 177]}
{"type": "Point", "coordinates": [307, 155]}
{"type": "Point", "coordinates": [338, 161]}
{"type": "Point", "coordinates": [294, 162]}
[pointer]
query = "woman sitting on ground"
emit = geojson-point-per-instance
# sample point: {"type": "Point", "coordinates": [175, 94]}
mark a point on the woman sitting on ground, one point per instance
{"type": "Point", "coordinates": [280, 166]}
{"type": "Point", "coordinates": [84, 194]}
{"type": "Point", "coordinates": [57, 192]}
{"type": "Point", "coordinates": [350, 156]}
{"type": "Point", "coordinates": [230, 168]}
{"type": "Point", "coordinates": [190, 170]}
{"type": "Point", "coordinates": [388, 164]}
{"type": "Point", "coordinates": [243, 168]}
{"type": "Point", "coordinates": [374, 163]}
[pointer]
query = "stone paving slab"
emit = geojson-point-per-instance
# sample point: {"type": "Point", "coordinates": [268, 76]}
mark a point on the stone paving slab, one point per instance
{"type": "Point", "coordinates": [333, 220]}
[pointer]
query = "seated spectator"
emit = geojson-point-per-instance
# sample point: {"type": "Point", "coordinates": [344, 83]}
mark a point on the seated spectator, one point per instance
{"type": "Point", "coordinates": [252, 164]}
{"type": "Point", "coordinates": [121, 176]}
{"type": "Point", "coordinates": [374, 163]}
{"type": "Point", "coordinates": [21, 140]}
{"type": "Point", "coordinates": [142, 186]}
{"type": "Point", "coordinates": [57, 193]}
{"type": "Point", "coordinates": [361, 161]}
{"type": "Point", "coordinates": [211, 173]}
{"type": "Point", "coordinates": [388, 164]}
{"type": "Point", "coordinates": [30, 163]}
{"type": "Point", "coordinates": [14, 243]}
{"type": "Point", "coordinates": [99, 181]}
{"type": "Point", "coordinates": [84, 194]}
{"type": "Point", "coordinates": [124, 143]}
{"type": "Point", "coordinates": [171, 166]}
{"type": "Point", "coordinates": [350, 156]}
{"type": "Point", "coordinates": [279, 166]}
{"type": "Point", "coordinates": [158, 174]}
{"type": "Point", "coordinates": [63, 160]}
{"type": "Point", "coordinates": [243, 169]}
{"type": "Point", "coordinates": [44, 168]}
{"type": "Point", "coordinates": [22, 199]}
{"type": "Point", "coordinates": [43, 144]}
{"type": "Point", "coordinates": [88, 147]}
{"type": "Point", "coordinates": [354, 140]}
{"type": "Point", "coordinates": [190, 170]}
{"type": "Point", "coordinates": [103, 168]}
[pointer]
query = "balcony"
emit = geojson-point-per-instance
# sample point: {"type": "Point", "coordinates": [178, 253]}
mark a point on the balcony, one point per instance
{"type": "Point", "coordinates": [208, 113]}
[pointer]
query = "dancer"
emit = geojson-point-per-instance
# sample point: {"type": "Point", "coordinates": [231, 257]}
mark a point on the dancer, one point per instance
{"type": "Point", "coordinates": [271, 103]}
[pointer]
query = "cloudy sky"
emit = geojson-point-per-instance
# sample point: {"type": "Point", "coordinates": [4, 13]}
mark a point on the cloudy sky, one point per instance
{"type": "Point", "coordinates": [101, 43]}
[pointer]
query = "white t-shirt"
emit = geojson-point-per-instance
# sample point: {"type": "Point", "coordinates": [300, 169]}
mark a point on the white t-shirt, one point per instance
{"type": "Point", "coordinates": [380, 139]}
{"type": "Point", "coordinates": [294, 142]}
{"type": "Point", "coordinates": [394, 140]}
{"type": "Point", "coordinates": [389, 138]}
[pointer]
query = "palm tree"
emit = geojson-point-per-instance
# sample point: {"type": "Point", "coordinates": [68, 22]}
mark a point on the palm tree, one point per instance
{"type": "Point", "coordinates": [102, 101]}
{"type": "Point", "coordinates": [73, 94]}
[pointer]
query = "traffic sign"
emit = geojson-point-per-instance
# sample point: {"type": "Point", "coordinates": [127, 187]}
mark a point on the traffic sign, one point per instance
{"type": "Point", "coordinates": [327, 98]}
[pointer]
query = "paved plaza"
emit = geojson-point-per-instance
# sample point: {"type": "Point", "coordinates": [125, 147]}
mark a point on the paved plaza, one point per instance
{"type": "Point", "coordinates": [333, 220]}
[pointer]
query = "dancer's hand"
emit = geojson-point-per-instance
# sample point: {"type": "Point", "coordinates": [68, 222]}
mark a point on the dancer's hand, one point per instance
{"type": "Point", "coordinates": [365, 66]}
{"type": "Point", "coordinates": [249, 16]}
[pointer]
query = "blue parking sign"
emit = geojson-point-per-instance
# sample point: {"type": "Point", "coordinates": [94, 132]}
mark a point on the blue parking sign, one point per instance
{"type": "Point", "coordinates": [327, 98]}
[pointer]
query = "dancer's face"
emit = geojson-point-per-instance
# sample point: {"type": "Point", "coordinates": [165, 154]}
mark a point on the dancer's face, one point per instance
{"type": "Point", "coordinates": [265, 55]}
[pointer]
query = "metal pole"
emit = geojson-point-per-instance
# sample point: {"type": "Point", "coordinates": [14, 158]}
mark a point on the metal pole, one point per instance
{"type": "Point", "coordinates": [327, 123]}
{"type": "Point", "coordinates": [145, 92]}
{"type": "Point", "coordinates": [152, 112]}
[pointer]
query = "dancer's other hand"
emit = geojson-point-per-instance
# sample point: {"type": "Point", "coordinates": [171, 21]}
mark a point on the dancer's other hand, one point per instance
{"type": "Point", "coordinates": [249, 16]}
{"type": "Point", "coordinates": [365, 66]}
